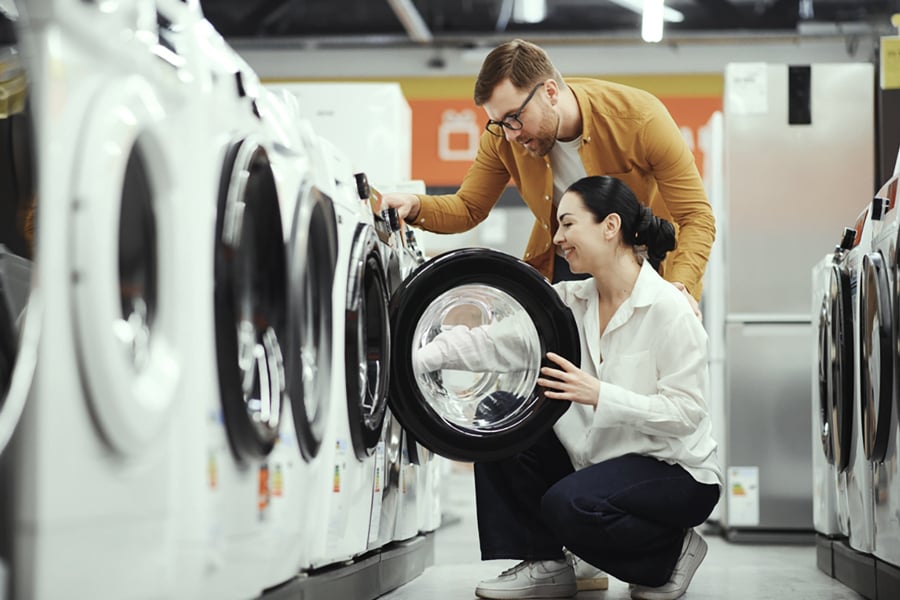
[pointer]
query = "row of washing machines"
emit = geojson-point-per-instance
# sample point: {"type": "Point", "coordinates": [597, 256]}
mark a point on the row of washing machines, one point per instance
{"type": "Point", "coordinates": [194, 320]}
{"type": "Point", "coordinates": [856, 401]}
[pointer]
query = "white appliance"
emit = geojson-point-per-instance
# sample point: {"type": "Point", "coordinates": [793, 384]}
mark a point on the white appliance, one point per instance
{"type": "Point", "coordinates": [856, 478]}
{"type": "Point", "coordinates": [94, 498]}
{"type": "Point", "coordinates": [371, 123]}
{"type": "Point", "coordinates": [824, 502]}
{"type": "Point", "coordinates": [883, 435]}
{"type": "Point", "coordinates": [361, 367]}
{"type": "Point", "coordinates": [238, 297]}
{"type": "Point", "coordinates": [301, 471]}
{"type": "Point", "coordinates": [774, 113]}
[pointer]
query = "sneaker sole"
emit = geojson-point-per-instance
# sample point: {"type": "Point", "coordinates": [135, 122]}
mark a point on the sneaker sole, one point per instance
{"type": "Point", "coordinates": [595, 583]}
{"type": "Point", "coordinates": [529, 593]}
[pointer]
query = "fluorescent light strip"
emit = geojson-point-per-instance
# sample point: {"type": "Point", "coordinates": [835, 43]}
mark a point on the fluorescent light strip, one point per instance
{"type": "Point", "coordinates": [652, 22]}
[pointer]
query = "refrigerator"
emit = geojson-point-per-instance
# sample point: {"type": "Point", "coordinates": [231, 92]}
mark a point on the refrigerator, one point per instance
{"type": "Point", "coordinates": [798, 164]}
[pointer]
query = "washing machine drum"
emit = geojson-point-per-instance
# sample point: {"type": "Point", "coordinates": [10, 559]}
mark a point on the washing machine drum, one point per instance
{"type": "Point", "coordinates": [250, 300]}
{"type": "Point", "coordinates": [483, 403]}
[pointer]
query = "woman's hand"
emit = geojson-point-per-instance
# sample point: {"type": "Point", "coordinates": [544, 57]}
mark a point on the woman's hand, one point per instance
{"type": "Point", "coordinates": [569, 382]}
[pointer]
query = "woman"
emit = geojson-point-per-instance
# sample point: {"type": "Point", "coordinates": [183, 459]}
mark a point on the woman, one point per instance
{"type": "Point", "coordinates": [631, 467]}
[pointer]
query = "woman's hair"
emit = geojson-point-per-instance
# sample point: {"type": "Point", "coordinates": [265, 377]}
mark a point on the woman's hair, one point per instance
{"type": "Point", "coordinates": [640, 227]}
{"type": "Point", "coordinates": [523, 63]}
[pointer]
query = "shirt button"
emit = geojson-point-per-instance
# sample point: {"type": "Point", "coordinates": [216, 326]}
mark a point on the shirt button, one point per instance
{"type": "Point", "coordinates": [528, 255]}
{"type": "Point", "coordinates": [422, 220]}
{"type": "Point", "coordinates": [548, 165]}
{"type": "Point", "coordinates": [547, 197]}
{"type": "Point", "coordinates": [587, 139]}
{"type": "Point", "coordinates": [546, 226]}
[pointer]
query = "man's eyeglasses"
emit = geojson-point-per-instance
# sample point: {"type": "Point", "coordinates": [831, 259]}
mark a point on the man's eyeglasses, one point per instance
{"type": "Point", "coordinates": [512, 122]}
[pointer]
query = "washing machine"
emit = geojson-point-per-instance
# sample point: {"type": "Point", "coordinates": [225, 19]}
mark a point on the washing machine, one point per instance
{"type": "Point", "coordinates": [19, 305]}
{"type": "Point", "coordinates": [824, 502]}
{"type": "Point", "coordinates": [360, 382]}
{"type": "Point", "coordinates": [854, 501]}
{"type": "Point", "coordinates": [881, 433]}
{"type": "Point", "coordinates": [94, 498]}
{"type": "Point", "coordinates": [241, 346]}
{"type": "Point", "coordinates": [302, 471]}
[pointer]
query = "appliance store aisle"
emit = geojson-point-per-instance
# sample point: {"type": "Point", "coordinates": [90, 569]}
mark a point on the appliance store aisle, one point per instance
{"type": "Point", "coordinates": [730, 571]}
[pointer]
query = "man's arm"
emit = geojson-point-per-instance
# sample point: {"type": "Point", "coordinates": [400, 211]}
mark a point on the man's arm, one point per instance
{"type": "Point", "coordinates": [469, 206]}
{"type": "Point", "coordinates": [681, 189]}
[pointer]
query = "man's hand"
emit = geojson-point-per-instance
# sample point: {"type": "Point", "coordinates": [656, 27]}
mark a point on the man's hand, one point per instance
{"type": "Point", "coordinates": [690, 299]}
{"type": "Point", "coordinates": [407, 205]}
{"type": "Point", "coordinates": [569, 382]}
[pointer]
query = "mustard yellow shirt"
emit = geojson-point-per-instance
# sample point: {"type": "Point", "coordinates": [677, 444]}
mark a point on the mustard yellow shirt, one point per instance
{"type": "Point", "coordinates": [627, 133]}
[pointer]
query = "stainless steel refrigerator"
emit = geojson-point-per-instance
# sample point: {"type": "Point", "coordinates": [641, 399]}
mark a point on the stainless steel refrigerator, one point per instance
{"type": "Point", "coordinates": [798, 156]}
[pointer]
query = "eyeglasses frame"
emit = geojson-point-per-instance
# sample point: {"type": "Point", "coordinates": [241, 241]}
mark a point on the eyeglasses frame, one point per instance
{"type": "Point", "coordinates": [507, 121]}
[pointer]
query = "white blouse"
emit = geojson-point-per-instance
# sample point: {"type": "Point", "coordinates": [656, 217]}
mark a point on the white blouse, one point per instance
{"type": "Point", "coordinates": [652, 364]}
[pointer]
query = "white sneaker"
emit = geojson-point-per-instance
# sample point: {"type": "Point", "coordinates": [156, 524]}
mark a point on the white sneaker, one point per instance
{"type": "Point", "coordinates": [531, 579]}
{"type": "Point", "coordinates": [693, 551]}
{"type": "Point", "coordinates": [587, 576]}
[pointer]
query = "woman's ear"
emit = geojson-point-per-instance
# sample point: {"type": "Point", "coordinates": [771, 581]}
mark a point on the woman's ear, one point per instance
{"type": "Point", "coordinates": [611, 225]}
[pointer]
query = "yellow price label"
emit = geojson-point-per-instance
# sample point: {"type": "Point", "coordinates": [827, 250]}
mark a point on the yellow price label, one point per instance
{"type": "Point", "coordinates": [890, 63]}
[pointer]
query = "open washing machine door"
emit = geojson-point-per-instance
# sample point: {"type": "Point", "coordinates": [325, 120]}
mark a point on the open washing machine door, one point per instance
{"type": "Point", "coordinates": [877, 355]}
{"type": "Point", "coordinates": [466, 412]}
{"type": "Point", "coordinates": [367, 344]}
{"type": "Point", "coordinates": [313, 250]}
{"type": "Point", "coordinates": [250, 300]}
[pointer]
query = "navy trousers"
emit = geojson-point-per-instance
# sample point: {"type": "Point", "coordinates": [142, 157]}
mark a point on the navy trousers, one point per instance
{"type": "Point", "coordinates": [627, 516]}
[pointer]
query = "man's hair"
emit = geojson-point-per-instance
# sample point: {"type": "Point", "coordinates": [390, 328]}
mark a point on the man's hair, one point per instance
{"type": "Point", "coordinates": [523, 63]}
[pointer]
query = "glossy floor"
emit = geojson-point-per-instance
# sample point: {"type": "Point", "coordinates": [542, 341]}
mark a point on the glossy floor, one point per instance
{"type": "Point", "coordinates": [730, 571]}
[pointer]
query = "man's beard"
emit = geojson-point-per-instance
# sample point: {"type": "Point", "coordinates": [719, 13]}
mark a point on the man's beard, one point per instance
{"type": "Point", "coordinates": [545, 139]}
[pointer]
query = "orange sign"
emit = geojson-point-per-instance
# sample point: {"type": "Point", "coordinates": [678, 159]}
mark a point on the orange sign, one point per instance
{"type": "Point", "coordinates": [446, 133]}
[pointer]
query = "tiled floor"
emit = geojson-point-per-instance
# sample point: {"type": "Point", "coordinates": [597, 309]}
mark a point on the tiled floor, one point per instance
{"type": "Point", "coordinates": [730, 571]}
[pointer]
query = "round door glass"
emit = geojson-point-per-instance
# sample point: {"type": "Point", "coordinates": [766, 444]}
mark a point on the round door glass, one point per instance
{"type": "Point", "coordinates": [476, 358]}
{"type": "Point", "coordinates": [251, 311]}
{"type": "Point", "coordinates": [137, 260]}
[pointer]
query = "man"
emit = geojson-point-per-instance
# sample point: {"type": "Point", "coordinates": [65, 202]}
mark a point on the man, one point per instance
{"type": "Point", "coordinates": [545, 133]}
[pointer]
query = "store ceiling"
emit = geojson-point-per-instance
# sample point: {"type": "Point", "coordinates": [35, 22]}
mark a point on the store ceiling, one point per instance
{"type": "Point", "coordinates": [398, 22]}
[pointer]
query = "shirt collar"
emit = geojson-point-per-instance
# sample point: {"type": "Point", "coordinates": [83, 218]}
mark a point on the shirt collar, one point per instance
{"type": "Point", "coordinates": [642, 294]}
{"type": "Point", "coordinates": [646, 286]}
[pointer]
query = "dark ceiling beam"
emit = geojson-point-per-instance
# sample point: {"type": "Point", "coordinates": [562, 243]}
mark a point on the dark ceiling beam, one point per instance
{"type": "Point", "coordinates": [412, 21]}
{"type": "Point", "coordinates": [722, 12]}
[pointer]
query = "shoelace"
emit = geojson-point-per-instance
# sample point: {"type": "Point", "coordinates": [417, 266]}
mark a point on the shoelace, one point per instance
{"type": "Point", "coordinates": [514, 569]}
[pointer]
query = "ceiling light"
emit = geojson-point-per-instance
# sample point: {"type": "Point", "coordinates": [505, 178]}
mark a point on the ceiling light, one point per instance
{"type": "Point", "coordinates": [670, 15]}
{"type": "Point", "coordinates": [652, 22]}
{"type": "Point", "coordinates": [529, 11]}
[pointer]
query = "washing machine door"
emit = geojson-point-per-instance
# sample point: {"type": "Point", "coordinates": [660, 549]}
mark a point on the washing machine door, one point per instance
{"type": "Point", "coordinates": [122, 265]}
{"type": "Point", "coordinates": [250, 300]}
{"type": "Point", "coordinates": [823, 338]}
{"type": "Point", "coordinates": [877, 355]}
{"type": "Point", "coordinates": [367, 343]}
{"type": "Point", "coordinates": [478, 407]}
{"type": "Point", "coordinates": [313, 256]}
{"type": "Point", "coordinates": [840, 367]}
